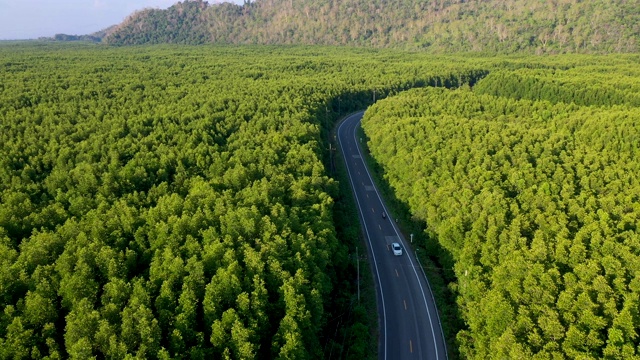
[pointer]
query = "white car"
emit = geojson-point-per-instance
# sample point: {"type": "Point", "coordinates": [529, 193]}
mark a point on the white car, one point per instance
{"type": "Point", "coordinates": [397, 250]}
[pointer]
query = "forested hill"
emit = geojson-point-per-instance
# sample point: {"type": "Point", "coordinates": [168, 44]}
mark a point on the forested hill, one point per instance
{"type": "Point", "coordinates": [505, 26]}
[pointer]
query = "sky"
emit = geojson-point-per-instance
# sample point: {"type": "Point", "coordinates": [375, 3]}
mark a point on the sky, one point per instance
{"type": "Point", "coordinates": [31, 19]}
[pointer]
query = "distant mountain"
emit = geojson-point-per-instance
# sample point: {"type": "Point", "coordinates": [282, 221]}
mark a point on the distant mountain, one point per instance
{"type": "Point", "coordinates": [504, 26]}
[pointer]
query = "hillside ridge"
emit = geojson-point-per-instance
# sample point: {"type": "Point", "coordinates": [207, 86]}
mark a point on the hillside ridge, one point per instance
{"type": "Point", "coordinates": [492, 26]}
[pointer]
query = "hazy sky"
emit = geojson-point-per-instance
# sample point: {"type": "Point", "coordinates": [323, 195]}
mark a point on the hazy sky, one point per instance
{"type": "Point", "coordinates": [31, 19]}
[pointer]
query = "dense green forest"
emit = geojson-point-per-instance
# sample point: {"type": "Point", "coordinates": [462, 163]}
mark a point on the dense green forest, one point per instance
{"type": "Point", "coordinates": [503, 26]}
{"type": "Point", "coordinates": [173, 201]}
{"type": "Point", "coordinates": [529, 181]}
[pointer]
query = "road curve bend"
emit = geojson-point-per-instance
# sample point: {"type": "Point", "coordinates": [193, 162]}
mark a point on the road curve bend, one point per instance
{"type": "Point", "coordinates": [409, 323]}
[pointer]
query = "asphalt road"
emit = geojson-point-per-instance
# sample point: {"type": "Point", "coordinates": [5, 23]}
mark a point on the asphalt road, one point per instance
{"type": "Point", "coordinates": [408, 318]}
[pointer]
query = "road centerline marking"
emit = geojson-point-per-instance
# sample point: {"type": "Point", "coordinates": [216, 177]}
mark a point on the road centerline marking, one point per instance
{"type": "Point", "coordinates": [350, 126]}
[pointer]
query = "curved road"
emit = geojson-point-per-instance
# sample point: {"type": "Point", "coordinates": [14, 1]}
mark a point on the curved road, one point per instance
{"type": "Point", "coordinates": [408, 318]}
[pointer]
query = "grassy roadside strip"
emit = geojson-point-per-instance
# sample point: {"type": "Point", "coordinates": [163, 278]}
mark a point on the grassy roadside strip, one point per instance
{"type": "Point", "coordinates": [437, 262]}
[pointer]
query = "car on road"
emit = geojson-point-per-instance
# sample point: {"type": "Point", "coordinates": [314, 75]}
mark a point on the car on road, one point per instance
{"type": "Point", "coordinates": [397, 250]}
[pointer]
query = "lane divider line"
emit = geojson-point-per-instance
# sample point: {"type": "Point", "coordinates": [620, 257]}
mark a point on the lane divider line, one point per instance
{"type": "Point", "coordinates": [363, 222]}
{"type": "Point", "coordinates": [422, 290]}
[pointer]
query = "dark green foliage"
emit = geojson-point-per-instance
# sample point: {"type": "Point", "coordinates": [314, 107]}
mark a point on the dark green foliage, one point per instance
{"type": "Point", "coordinates": [537, 202]}
{"type": "Point", "coordinates": [66, 37]}
{"type": "Point", "coordinates": [502, 26]}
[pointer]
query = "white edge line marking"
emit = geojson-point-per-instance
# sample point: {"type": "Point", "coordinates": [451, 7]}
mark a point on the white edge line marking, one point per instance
{"type": "Point", "coordinates": [435, 342]}
{"type": "Point", "coordinates": [375, 263]}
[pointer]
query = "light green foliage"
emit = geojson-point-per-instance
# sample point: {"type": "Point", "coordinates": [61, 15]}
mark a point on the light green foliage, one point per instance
{"type": "Point", "coordinates": [537, 201]}
{"type": "Point", "coordinates": [610, 83]}
{"type": "Point", "coordinates": [172, 201]}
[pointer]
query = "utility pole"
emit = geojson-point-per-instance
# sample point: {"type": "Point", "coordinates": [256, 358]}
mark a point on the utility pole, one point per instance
{"type": "Point", "coordinates": [374, 96]}
{"type": "Point", "coordinates": [331, 150]}
{"type": "Point", "coordinates": [412, 238]}
{"type": "Point", "coordinates": [326, 121]}
{"type": "Point", "coordinates": [358, 266]}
